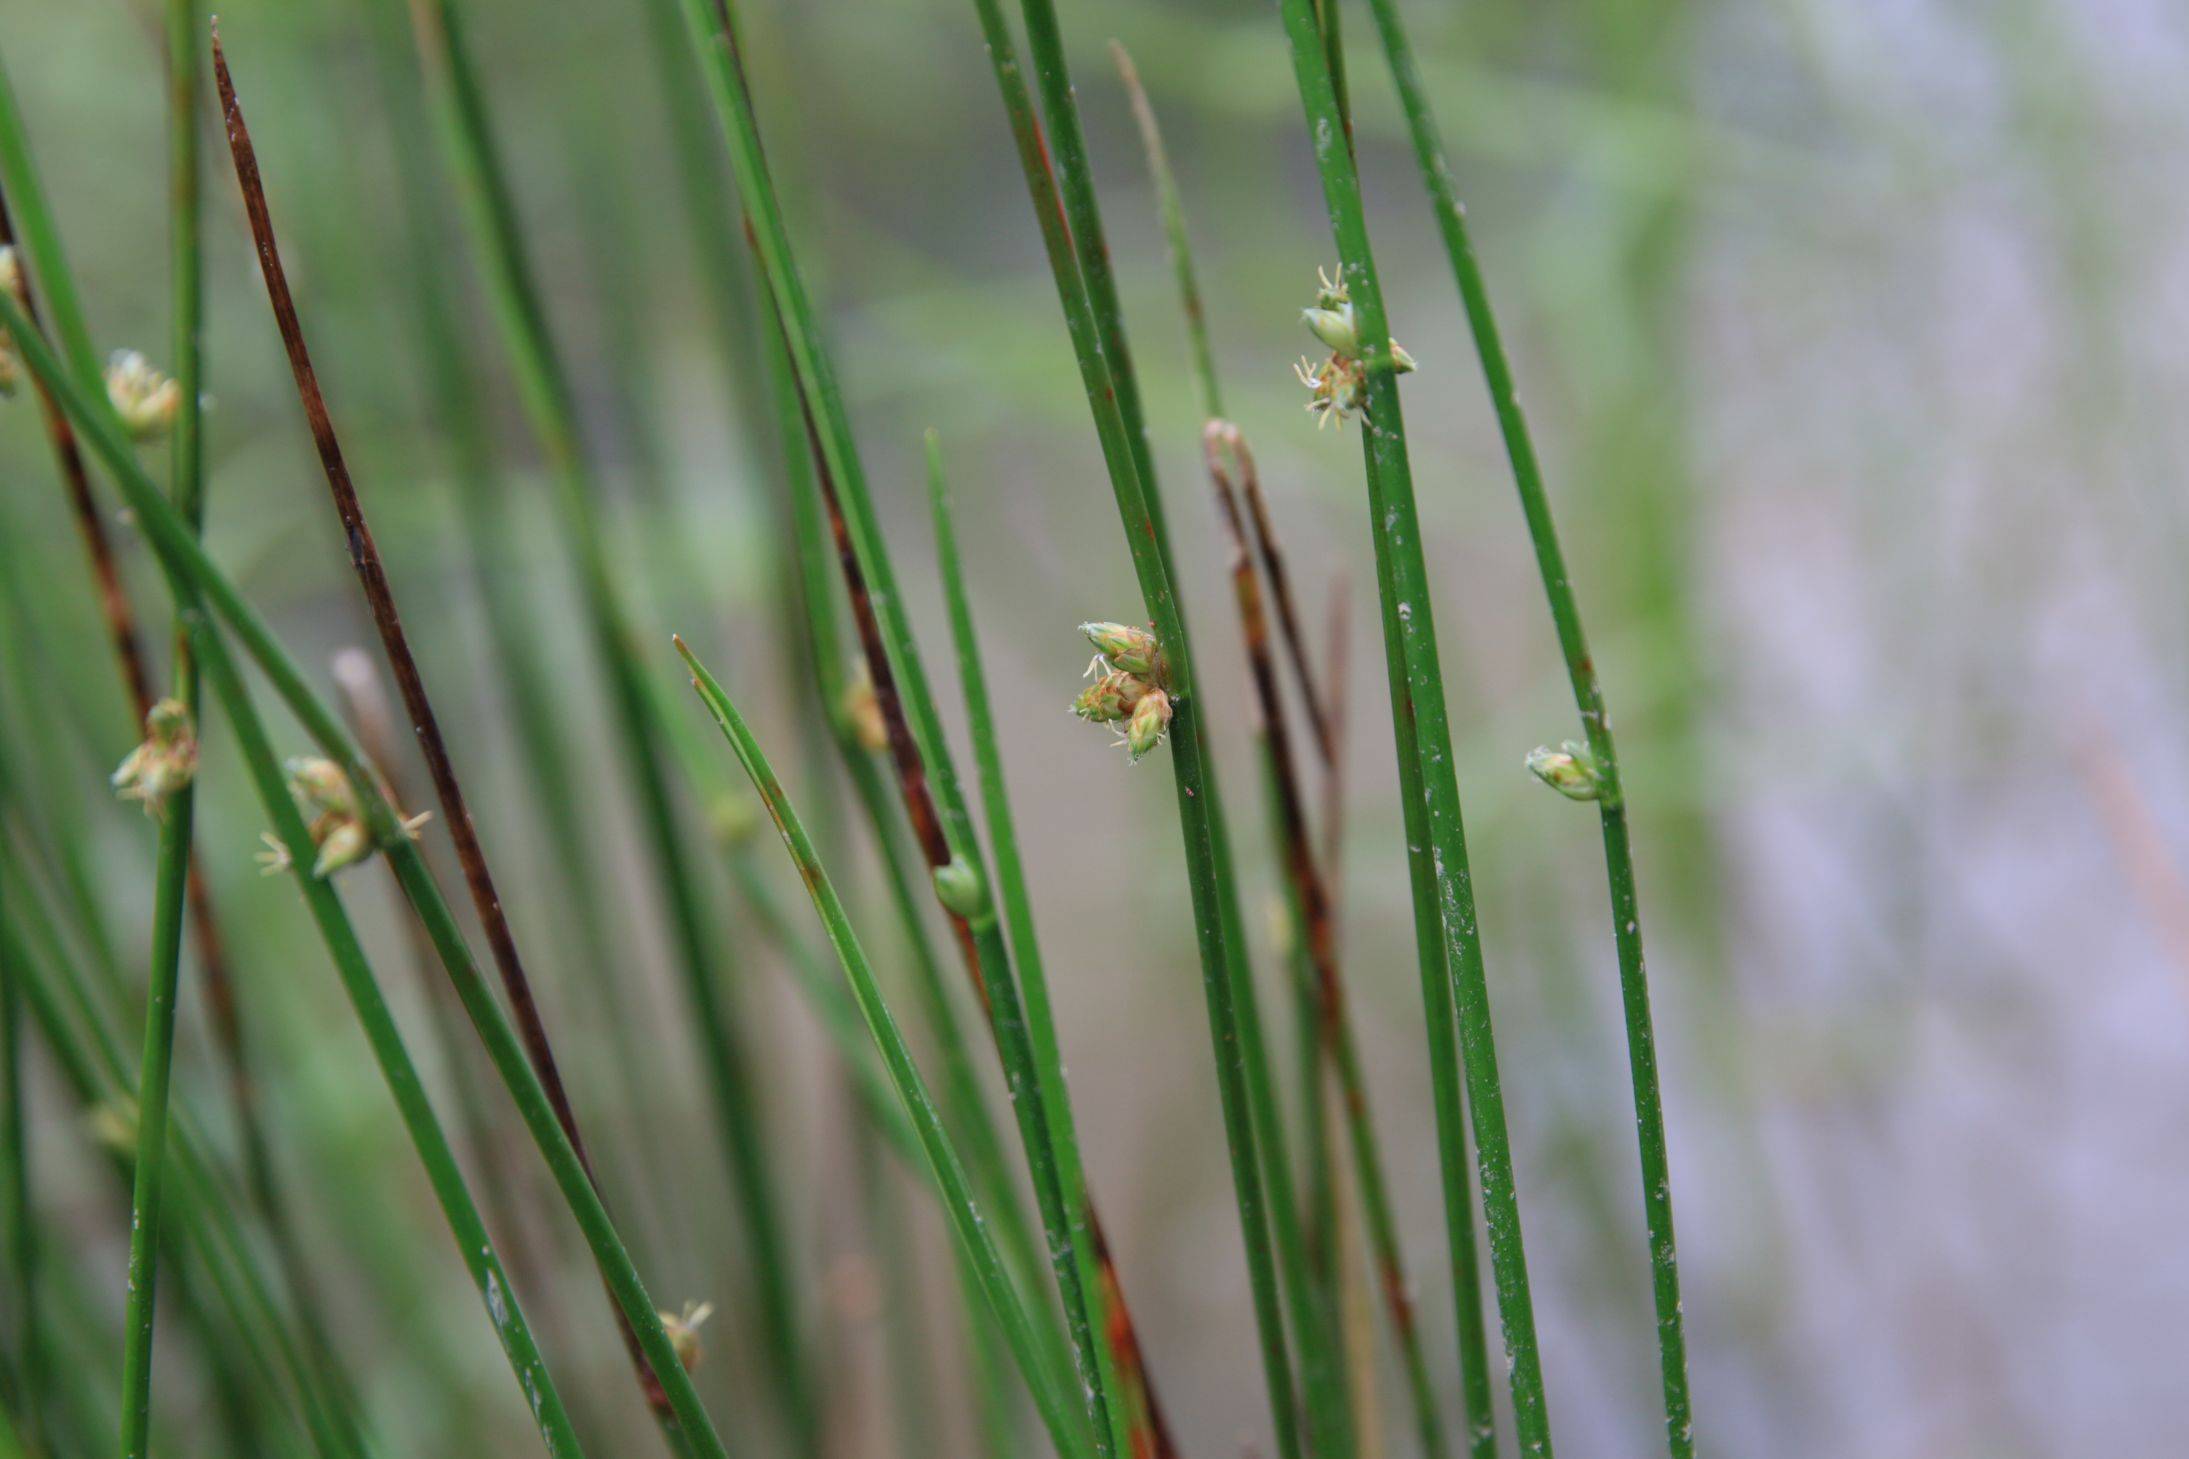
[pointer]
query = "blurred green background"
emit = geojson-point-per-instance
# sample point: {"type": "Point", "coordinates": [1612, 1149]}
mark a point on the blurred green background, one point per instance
{"type": "Point", "coordinates": [1852, 338]}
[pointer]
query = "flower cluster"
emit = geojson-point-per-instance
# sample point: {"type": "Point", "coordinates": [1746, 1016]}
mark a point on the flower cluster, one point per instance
{"type": "Point", "coordinates": [146, 400]}
{"type": "Point", "coordinates": [1131, 686]}
{"type": "Point", "coordinates": [164, 763]}
{"type": "Point", "coordinates": [338, 826]}
{"type": "Point", "coordinates": [1338, 387]}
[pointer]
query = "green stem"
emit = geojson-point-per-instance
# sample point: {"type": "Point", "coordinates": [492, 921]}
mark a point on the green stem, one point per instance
{"type": "Point", "coordinates": [1044, 1051]}
{"type": "Point", "coordinates": [1588, 698]}
{"type": "Point", "coordinates": [1241, 1066]}
{"type": "Point", "coordinates": [1424, 734]}
{"type": "Point", "coordinates": [967, 1223]}
{"type": "Point", "coordinates": [1173, 211]}
{"type": "Point", "coordinates": [16, 1228]}
{"type": "Point", "coordinates": [172, 866]}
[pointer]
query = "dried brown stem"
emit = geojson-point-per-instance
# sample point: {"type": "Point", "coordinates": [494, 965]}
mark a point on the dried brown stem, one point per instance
{"type": "Point", "coordinates": [410, 684]}
{"type": "Point", "coordinates": [1317, 909]}
{"type": "Point", "coordinates": [1319, 714]}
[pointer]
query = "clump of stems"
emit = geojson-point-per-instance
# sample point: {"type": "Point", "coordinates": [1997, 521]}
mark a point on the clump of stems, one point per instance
{"type": "Point", "coordinates": [1588, 697]}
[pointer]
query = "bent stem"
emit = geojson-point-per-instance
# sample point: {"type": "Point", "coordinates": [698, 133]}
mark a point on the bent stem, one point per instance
{"type": "Point", "coordinates": [1098, 1270]}
{"type": "Point", "coordinates": [1429, 783]}
{"type": "Point", "coordinates": [1588, 698]}
{"type": "Point", "coordinates": [967, 1223]}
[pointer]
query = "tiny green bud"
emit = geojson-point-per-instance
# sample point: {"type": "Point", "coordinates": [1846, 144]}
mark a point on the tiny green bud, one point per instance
{"type": "Point", "coordinates": [164, 763]}
{"type": "Point", "coordinates": [1135, 650]}
{"type": "Point", "coordinates": [321, 784]}
{"type": "Point", "coordinates": [345, 843]}
{"type": "Point", "coordinates": [1332, 294]}
{"type": "Point", "coordinates": [1151, 719]}
{"type": "Point", "coordinates": [1335, 328]}
{"type": "Point", "coordinates": [1570, 770]}
{"type": "Point", "coordinates": [961, 890]}
{"type": "Point", "coordinates": [145, 399]}
{"type": "Point", "coordinates": [1401, 361]}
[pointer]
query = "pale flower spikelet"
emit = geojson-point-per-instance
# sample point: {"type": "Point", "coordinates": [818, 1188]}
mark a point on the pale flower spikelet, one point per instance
{"type": "Point", "coordinates": [164, 762]}
{"type": "Point", "coordinates": [146, 400]}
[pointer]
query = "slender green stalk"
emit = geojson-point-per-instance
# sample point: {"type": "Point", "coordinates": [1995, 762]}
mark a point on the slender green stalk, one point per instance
{"type": "Point", "coordinates": [222, 1006]}
{"type": "Point", "coordinates": [1096, 1272]}
{"type": "Point", "coordinates": [93, 1065]}
{"type": "Point", "coordinates": [1327, 1036]}
{"type": "Point", "coordinates": [1173, 210]}
{"type": "Point", "coordinates": [42, 244]}
{"type": "Point", "coordinates": [1588, 696]}
{"type": "Point", "coordinates": [172, 873]}
{"type": "Point", "coordinates": [967, 1222]}
{"type": "Point", "coordinates": [545, 387]}
{"type": "Point", "coordinates": [1429, 786]}
{"type": "Point", "coordinates": [1315, 921]}
{"type": "Point", "coordinates": [184, 558]}
{"type": "Point", "coordinates": [1241, 1066]}
{"type": "Point", "coordinates": [380, 1031]}
{"type": "Point", "coordinates": [911, 1365]}
{"type": "Point", "coordinates": [17, 1230]}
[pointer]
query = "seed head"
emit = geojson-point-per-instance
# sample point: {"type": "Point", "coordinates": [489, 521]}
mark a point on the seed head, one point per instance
{"type": "Point", "coordinates": [1570, 770]}
{"type": "Point", "coordinates": [1110, 698]}
{"type": "Point", "coordinates": [164, 763]}
{"type": "Point", "coordinates": [339, 829]}
{"type": "Point", "coordinates": [1135, 650]}
{"type": "Point", "coordinates": [146, 400]}
{"type": "Point", "coordinates": [1151, 720]}
{"type": "Point", "coordinates": [683, 1330]}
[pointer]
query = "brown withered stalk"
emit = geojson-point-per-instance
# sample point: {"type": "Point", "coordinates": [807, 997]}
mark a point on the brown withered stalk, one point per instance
{"type": "Point", "coordinates": [1222, 442]}
{"type": "Point", "coordinates": [1151, 1439]}
{"type": "Point", "coordinates": [410, 684]}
